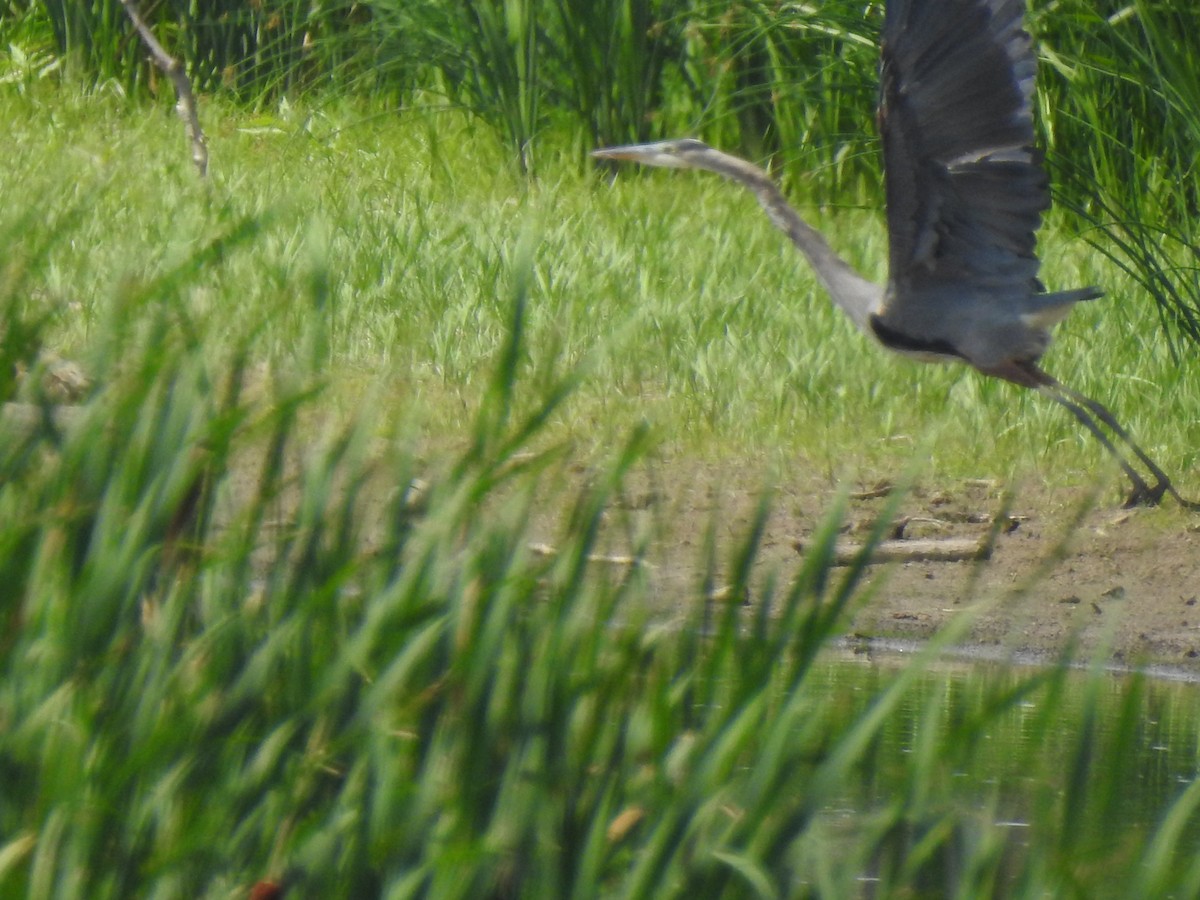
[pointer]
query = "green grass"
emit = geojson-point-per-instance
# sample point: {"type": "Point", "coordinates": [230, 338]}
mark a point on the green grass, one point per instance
{"type": "Point", "coordinates": [685, 307]}
{"type": "Point", "coordinates": [269, 607]}
{"type": "Point", "coordinates": [791, 84]}
{"type": "Point", "coordinates": [238, 643]}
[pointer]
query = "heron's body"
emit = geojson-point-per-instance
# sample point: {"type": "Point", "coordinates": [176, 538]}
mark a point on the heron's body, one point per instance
{"type": "Point", "coordinates": [965, 194]}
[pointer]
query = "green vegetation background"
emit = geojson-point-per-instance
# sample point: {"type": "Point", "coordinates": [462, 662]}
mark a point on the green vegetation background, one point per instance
{"type": "Point", "coordinates": [268, 604]}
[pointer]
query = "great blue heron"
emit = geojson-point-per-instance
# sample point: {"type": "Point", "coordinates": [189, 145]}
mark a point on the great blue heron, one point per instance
{"type": "Point", "coordinates": [965, 194]}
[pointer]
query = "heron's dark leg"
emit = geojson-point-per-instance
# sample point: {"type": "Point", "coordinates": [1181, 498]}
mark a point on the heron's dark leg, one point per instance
{"type": "Point", "coordinates": [1142, 494]}
{"type": "Point", "coordinates": [1100, 411]}
{"type": "Point", "coordinates": [1088, 411]}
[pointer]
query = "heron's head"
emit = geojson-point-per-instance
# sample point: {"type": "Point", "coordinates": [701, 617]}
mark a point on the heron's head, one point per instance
{"type": "Point", "coordinates": [686, 153]}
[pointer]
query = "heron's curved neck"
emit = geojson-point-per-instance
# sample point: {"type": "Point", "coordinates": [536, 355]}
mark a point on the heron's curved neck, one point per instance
{"type": "Point", "coordinates": [853, 294]}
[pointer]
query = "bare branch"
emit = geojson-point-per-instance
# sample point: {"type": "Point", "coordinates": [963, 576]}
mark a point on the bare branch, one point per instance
{"type": "Point", "coordinates": [173, 69]}
{"type": "Point", "coordinates": [926, 550]}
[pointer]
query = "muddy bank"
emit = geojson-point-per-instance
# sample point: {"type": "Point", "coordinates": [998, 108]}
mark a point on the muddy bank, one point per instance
{"type": "Point", "coordinates": [1122, 583]}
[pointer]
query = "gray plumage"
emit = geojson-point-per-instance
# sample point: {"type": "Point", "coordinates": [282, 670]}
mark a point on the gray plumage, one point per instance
{"type": "Point", "coordinates": [965, 195]}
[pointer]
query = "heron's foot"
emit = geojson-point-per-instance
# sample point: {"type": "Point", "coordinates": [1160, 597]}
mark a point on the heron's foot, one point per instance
{"type": "Point", "coordinates": [1144, 495]}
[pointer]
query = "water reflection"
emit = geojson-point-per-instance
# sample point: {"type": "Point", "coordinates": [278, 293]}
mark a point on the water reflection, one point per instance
{"type": "Point", "coordinates": [1090, 760]}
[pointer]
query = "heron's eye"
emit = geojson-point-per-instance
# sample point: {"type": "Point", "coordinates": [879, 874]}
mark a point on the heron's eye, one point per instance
{"type": "Point", "coordinates": [690, 144]}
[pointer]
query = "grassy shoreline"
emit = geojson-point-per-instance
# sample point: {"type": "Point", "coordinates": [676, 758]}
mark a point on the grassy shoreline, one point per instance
{"type": "Point", "coordinates": [687, 309]}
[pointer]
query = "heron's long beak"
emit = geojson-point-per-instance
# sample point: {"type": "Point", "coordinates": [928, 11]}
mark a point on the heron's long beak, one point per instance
{"type": "Point", "coordinates": [659, 153]}
{"type": "Point", "coordinates": [633, 152]}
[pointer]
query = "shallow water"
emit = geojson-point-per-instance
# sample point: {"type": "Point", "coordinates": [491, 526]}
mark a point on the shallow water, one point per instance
{"type": "Point", "coordinates": [1089, 759]}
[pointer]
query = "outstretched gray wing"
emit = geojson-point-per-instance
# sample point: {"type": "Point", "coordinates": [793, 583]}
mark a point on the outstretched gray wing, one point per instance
{"type": "Point", "coordinates": [965, 188]}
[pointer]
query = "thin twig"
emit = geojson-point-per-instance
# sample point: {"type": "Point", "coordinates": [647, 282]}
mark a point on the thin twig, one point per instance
{"type": "Point", "coordinates": [173, 69]}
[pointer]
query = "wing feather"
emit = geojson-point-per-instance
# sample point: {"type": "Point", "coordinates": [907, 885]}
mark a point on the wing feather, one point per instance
{"type": "Point", "coordinates": [965, 188]}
